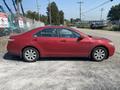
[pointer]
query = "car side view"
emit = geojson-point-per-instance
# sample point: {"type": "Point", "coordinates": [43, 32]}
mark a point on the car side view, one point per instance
{"type": "Point", "coordinates": [59, 41]}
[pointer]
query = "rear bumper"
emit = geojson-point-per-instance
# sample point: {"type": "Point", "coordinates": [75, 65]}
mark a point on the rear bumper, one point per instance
{"type": "Point", "coordinates": [12, 48]}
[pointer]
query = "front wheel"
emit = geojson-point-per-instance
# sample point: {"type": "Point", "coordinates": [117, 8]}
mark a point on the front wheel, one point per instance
{"type": "Point", "coordinates": [30, 54]}
{"type": "Point", "coordinates": [99, 54]}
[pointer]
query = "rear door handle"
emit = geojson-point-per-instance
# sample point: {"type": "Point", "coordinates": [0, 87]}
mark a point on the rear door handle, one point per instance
{"type": "Point", "coordinates": [63, 41]}
{"type": "Point", "coordinates": [35, 39]}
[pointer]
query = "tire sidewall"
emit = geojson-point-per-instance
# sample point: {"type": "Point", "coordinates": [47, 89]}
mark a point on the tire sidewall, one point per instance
{"type": "Point", "coordinates": [25, 59]}
{"type": "Point", "coordinates": [106, 53]}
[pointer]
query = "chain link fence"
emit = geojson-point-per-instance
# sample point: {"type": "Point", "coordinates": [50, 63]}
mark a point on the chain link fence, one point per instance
{"type": "Point", "coordinates": [13, 24]}
{"type": "Point", "coordinates": [10, 24]}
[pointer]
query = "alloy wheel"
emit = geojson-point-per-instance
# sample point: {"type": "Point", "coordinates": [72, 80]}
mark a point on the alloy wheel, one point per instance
{"type": "Point", "coordinates": [30, 54]}
{"type": "Point", "coordinates": [99, 54]}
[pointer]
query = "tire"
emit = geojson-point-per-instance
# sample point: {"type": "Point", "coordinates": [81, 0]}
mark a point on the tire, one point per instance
{"type": "Point", "coordinates": [30, 54]}
{"type": "Point", "coordinates": [99, 54]}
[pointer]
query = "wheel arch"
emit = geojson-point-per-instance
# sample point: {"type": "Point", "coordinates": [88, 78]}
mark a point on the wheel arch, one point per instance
{"type": "Point", "coordinates": [100, 46]}
{"type": "Point", "coordinates": [27, 47]}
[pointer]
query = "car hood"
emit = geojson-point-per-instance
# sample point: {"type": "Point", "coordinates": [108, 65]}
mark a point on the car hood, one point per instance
{"type": "Point", "coordinates": [99, 38]}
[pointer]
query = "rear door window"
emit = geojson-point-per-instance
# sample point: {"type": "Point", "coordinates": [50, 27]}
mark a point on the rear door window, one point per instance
{"type": "Point", "coordinates": [48, 33]}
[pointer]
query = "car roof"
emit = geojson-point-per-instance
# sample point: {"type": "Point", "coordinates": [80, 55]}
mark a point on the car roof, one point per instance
{"type": "Point", "coordinates": [52, 27]}
{"type": "Point", "coordinates": [44, 27]}
{"type": "Point", "coordinates": [33, 31]}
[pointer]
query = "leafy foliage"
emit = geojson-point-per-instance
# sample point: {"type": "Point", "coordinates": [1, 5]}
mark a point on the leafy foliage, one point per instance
{"type": "Point", "coordinates": [114, 13]}
{"type": "Point", "coordinates": [44, 19]}
{"type": "Point", "coordinates": [56, 15]}
{"type": "Point", "coordinates": [115, 28]}
{"type": "Point", "coordinates": [35, 16]}
{"type": "Point", "coordinates": [32, 15]}
{"type": "Point", "coordinates": [61, 16]}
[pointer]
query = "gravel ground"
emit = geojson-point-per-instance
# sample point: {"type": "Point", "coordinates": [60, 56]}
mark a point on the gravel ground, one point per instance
{"type": "Point", "coordinates": [113, 36]}
{"type": "Point", "coordinates": [62, 73]}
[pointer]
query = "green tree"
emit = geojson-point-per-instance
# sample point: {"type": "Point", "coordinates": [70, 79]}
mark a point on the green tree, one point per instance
{"type": "Point", "coordinates": [32, 15]}
{"type": "Point", "coordinates": [44, 19]}
{"type": "Point", "coordinates": [35, 16]}
{"type": "Point", "coordinates": [29, 14]}
{"type": "Point", "coordinates": [61, 17]}
{"type": "Point", "coordinates": [54, 13]}
{"type": "Point", "coordinates": [114, 13]}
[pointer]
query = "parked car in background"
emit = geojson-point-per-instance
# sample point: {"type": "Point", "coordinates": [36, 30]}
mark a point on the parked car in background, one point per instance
{"type": "Point", "coordinates": [59, 41]}
{"type": "Point", "coordinates": [97, 24]}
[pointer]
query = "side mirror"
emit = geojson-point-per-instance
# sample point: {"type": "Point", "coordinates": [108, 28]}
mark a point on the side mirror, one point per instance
{"type": "Point", "coordinates": [35, 36]}
{"type": "Point", "coordinates": [80, 38]}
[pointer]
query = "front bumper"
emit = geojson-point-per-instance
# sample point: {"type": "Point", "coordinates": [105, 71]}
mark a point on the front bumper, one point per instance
{"type": "Point", "coordinates": [111, 49]}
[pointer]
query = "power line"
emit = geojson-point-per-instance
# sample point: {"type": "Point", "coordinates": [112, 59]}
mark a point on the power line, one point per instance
{"type": "Point", "coordinates": [38, 8]}
{"type": "Point", "coordinates": [90, 10]}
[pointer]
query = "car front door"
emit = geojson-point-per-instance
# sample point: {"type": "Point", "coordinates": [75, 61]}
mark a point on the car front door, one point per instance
{"type": "Point", "coordinates": [71, 43]}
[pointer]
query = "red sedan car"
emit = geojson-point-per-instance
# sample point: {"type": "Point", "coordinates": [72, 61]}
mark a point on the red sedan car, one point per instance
{"type": "Point", "coordinates": [59, 41]}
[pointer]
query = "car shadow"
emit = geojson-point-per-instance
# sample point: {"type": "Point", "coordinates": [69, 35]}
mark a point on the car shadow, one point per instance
{"type": "Point", "coordinates": [10, 57]}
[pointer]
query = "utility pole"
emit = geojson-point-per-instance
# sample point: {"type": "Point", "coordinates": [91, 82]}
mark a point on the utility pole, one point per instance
{"type": "Point", "coordinates": [80, 3]}
{"type": "Point", "coordinates": [18, 14]}
{"type": "Point", "coordinates": [50, 17]}
{"type": "Point", "coordinates": [18, 9]}
{"type": "Point", "coordinates": [38, 9]}
{"type": "Point", "coordinates": [101, 13]}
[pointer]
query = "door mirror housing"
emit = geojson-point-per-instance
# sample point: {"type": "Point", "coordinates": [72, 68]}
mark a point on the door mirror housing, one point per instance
{"type": "Point", "coordinates": [80, 38]}
{"type": "Point", "coordinates": [35, 36]}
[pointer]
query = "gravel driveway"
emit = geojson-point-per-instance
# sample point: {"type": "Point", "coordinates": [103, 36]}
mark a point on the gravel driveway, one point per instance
{"type": "Point", "coordinates": [62, 73]}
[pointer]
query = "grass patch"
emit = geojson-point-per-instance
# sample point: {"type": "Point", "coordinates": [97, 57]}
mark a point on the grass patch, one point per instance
{"type": "Point", "coordinates": [115, 28]}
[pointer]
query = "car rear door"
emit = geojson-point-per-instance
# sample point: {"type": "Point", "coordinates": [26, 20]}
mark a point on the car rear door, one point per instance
{"type": "Point", "coordinates": [49, 42]}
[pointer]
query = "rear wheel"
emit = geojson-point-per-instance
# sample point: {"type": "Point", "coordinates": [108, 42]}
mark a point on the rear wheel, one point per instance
{"type": "Point", "coordinates": [30, 54]}
{"type": "Point", "coordinates": [99, 54]}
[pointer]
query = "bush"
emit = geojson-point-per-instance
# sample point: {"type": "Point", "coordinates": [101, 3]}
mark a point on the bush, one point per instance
{"type": "Point", "coordinates": [115, 28]}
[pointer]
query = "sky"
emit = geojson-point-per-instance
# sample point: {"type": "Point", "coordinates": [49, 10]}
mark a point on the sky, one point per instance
{"type": "Point", "coordinates": [70, 7]}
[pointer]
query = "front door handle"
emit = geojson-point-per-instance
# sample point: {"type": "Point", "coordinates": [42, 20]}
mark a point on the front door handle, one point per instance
{"type": "Point", "coordinates": [63, 41]}
{"type": "Point", "coordinates": [35, 39]}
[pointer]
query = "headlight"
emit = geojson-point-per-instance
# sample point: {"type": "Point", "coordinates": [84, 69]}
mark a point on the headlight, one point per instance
{"type": "Point", "coordinates": [111, 43]}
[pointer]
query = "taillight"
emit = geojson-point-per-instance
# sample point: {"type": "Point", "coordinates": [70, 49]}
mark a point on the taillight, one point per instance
{"type": "Point", "coordinates": [11, 40]}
